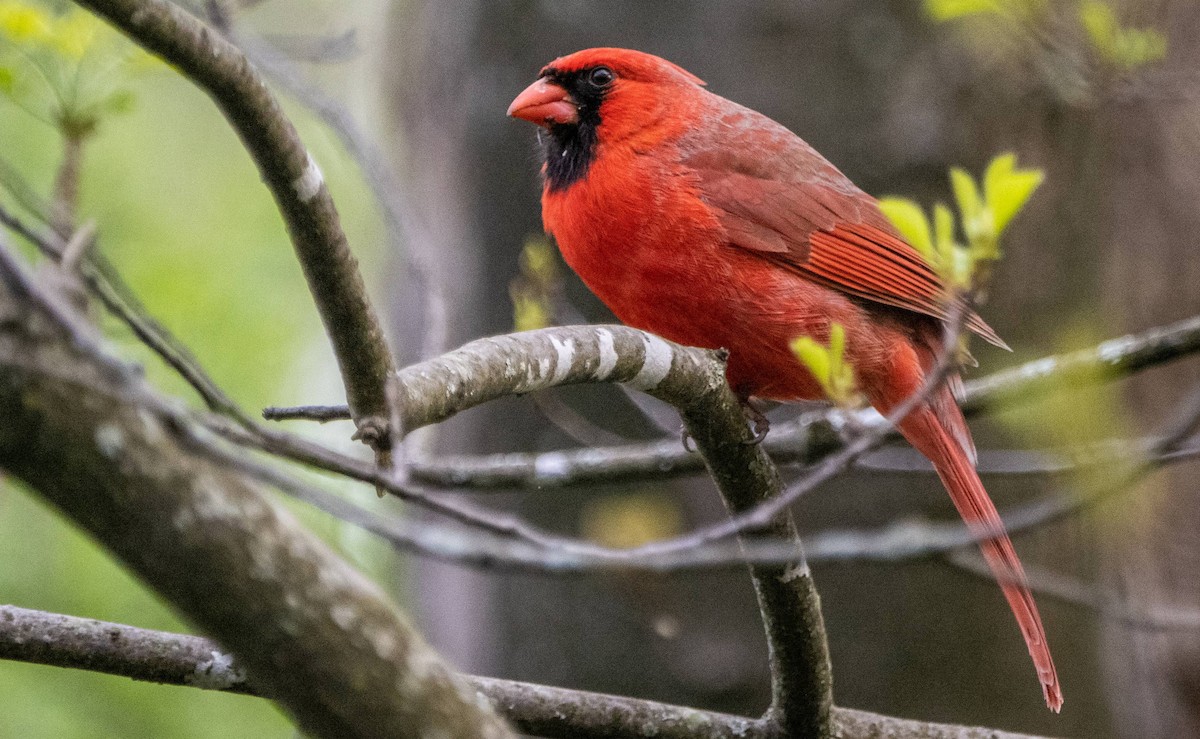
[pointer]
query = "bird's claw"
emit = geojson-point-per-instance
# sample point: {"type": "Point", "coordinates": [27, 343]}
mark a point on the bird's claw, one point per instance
{"type": "Point", "coordinates": [758, 421]}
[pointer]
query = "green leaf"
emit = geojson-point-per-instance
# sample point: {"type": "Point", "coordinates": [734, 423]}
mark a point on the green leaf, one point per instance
{"type": "Point", "coordinates": [1099, 21]}
{"type": "Point", "coordinates": [943, 229]}
{"type": "Point", "coordinates": [962, 267]}
{"type": "Point", "coordinates": [24, 24]}
{"type": "Point", "coordinates": [1007, 189]}
{"type": "Point", "coordinates": [976, 217]}
{"type": "Point", "coordinates": [815, 357]}
{"type": "Point", "coordinates": [74, 34]}
{"type": "Point", "coordinates": [910, 220]}
{"type": "Point", "coordinates": [837, 342]}
{"type": "Point", "coordinates": [828, 365]}
{"type": "Point", "coordinates": [1126, 48]}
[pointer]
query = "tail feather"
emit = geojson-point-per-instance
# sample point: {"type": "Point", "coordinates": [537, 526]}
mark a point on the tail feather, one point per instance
{"type": "Point", "coordinates": [942, 435]}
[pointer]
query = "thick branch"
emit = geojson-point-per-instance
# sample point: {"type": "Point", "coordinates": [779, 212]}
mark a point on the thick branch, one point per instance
{"type": "Point", "coordinates": [177, 659]}
{"type": "Point", "coordinates": [802, 678]}
{"type": "Point", "coordinates": [316, 635]}
{"type": "Point", "coordinates": [220, 69]}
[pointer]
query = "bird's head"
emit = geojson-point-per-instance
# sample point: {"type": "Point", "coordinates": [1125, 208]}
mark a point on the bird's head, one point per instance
{"type": "Point", "coordinates": [594, 95]}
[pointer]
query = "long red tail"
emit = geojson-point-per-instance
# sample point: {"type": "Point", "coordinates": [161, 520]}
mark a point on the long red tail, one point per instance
{"type": "Point", "coordinates": [939, 432]}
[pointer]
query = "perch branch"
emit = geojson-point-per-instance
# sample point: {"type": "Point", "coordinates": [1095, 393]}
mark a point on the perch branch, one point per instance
{"type": "Point", "coordinates": [805, 441]}
{"type": "Point", "coordinates": [694, 382]}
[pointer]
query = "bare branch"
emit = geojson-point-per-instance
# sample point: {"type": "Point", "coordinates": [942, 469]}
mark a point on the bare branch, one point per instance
{"type": "Point", "coordinates": [1106, 361]}
{"type": "Point", "coordinates": [177, 659]}
{"type": "Point", "coordinates": [287, 168]}
{"type": "Point", "coordinates": [66, 182]}
{"type": "Point", "coordinates": [1101, 601]}
{"type": "Point", "coordinates": [318, 413]}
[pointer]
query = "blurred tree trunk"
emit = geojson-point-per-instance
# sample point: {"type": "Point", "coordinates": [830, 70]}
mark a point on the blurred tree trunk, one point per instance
{"type": "Point", "coordinates": [1151, 274]}
{"type": "Point", "coordinates": [893, 100]}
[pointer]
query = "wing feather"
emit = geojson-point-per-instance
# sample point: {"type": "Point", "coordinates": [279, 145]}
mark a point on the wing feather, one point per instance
{"type": "Point", "coordinates": [775, 195]}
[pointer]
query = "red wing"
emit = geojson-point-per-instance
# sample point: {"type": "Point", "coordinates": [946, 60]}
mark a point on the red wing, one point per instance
{"type": "Point", "coordinates": [832, 233]}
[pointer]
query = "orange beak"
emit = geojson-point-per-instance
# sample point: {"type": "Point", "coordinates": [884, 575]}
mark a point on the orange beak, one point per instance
{"type": "Point", "coordinates": [544, 103]}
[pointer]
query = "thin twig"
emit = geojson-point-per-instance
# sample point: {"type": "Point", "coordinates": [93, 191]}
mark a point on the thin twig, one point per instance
{"type": "Point", "coordinates": [1106, 361]}
{"type": "Point", "coordinates": [1102, 602]}
{"type": "Point", "coordinates": [65, 203]}
{"type": "Point", "coordinates": [77, 246]}
{"type": "Point", "coordinates": [318, 413]}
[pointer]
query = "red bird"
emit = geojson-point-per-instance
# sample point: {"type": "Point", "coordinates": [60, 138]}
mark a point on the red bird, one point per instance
{"type": "Point", "coordinates": [709, 224]}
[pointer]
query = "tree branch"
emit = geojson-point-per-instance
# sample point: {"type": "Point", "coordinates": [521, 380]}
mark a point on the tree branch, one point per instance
{"type": "Point", "coordinates": [295, 181]}
{"type": "Point", "coordinates": [907, 542]}
{"type": "Point", "coordinates": [694, 382]}
{"type": "Point", "coordinates": [316, 635]}
{"type": "Point", "coordinates": [805, 441]}
{"type": "Point", "coordinates": [903, 541]}
{"type": "Point", "coordinates": [177, 659]}
{"type": "Point", "coordinates": [1108, 360]}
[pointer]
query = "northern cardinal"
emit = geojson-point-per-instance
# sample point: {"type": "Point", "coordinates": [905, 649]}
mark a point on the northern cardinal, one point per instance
{"type": "Point", "coordinates": [709, 224]}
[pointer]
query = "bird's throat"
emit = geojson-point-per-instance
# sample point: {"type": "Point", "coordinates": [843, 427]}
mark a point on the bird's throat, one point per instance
{"type": "Point", "coordinates": [568, 152]}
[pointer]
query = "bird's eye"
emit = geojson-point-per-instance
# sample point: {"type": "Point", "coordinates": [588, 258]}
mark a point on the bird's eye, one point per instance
{"type": "Point", "coordinates": [601, 77]}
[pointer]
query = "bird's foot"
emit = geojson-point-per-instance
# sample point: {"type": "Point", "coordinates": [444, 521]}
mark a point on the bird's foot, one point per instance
{"type": "Point", "coordinates": [758, 421]}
